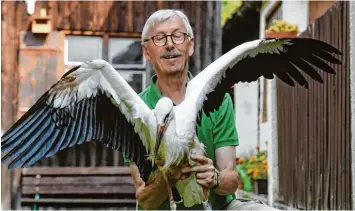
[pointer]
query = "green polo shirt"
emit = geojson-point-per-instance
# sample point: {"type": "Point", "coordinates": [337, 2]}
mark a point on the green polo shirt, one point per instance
{"type": "Point", "coordinates": [216, 131]}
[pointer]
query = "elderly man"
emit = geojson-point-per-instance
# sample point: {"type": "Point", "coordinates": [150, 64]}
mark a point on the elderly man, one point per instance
{"type": "Point", "coordinates": [168, 42]}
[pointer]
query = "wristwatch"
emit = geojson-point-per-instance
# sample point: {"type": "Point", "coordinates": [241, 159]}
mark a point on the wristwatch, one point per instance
{"type": "Point", "coordinates": [216, 178]}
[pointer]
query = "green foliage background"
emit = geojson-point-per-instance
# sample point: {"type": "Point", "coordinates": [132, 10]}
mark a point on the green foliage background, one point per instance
{"type": "Point", "coordinates": [228, 8]}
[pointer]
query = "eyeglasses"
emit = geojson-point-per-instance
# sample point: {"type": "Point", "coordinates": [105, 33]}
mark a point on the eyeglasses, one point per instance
{"type": "Point", "coordinates": [161, 39]}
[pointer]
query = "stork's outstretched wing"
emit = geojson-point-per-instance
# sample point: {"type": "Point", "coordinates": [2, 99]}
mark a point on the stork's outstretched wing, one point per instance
{"type": "Point", "coordinates": [90, 102]}
{"type": "Point", "coordinates": [284, 58]}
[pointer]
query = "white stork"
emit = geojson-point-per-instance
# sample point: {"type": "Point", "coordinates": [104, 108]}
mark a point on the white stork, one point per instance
{"type": "Point", "coordinates": [92, 102]}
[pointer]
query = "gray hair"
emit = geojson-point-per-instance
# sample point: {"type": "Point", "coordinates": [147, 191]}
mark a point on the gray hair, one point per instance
{"type": "Point", "coordinates": [162, 15]}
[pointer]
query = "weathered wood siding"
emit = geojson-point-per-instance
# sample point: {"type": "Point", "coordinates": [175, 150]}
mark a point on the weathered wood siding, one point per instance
{"type": "Point", "coordinates": [314, 130]}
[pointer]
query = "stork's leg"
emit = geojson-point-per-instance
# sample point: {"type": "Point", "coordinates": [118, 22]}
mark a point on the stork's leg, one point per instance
{"type": "Point", "coordinates": [206, 204]}
{"type": "Point", "coordinates": [171, 198]}
{"type": "Point", "coordinates": [199, 150]}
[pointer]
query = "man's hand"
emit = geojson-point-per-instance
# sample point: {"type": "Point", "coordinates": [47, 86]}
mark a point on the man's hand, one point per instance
{"type": "Point", "coordinates": [177, 174]}
{"type": "Point", "coordinates": [174, 173]}
{"type": "Point", "coordinates": [152, 194]}
{"type": "Point", "coordinates": [204, 169]}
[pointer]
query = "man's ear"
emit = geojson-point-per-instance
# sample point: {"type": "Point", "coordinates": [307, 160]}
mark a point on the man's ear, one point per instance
{"type": "Point", "coordinates": [191, 46]}
{"type": "Point", "coordinates": [145, 52]}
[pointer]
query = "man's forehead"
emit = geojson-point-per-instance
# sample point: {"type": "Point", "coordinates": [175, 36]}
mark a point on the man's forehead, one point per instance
{"type": "Point", "coordinates": [169, 25]}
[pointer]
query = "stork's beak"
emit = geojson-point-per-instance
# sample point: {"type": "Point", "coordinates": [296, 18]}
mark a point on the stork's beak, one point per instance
{"type": "Point", "coordinates": [160, 133]}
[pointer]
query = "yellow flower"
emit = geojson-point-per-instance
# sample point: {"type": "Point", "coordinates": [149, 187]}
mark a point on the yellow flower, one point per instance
{"type": "Point", "coordinates": [282, 26]}
{"type": "Point", "coordinates": [256, 173]}
{"type": "Point", "coordinates": [240, 160]}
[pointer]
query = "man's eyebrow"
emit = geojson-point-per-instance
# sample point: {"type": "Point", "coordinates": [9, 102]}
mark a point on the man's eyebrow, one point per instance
{"type": "Point", "coordinates": [162, 32]}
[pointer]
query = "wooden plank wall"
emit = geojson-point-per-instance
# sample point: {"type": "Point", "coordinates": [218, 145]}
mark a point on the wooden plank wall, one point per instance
{"type": "Point", "coordinates": [107, 18]}
{"type": "Point", "coordinates": [314, 127]}
{"type": "Point", "coordinates": [318, 8]}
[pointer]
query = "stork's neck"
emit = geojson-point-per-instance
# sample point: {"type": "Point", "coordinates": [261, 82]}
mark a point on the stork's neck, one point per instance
{"type": "Point", "coordinates": [173, 86]}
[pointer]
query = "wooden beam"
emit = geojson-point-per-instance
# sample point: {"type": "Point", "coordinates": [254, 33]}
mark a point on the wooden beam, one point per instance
{"type": "Point", "coordinates": [79, 189]}
{"type": "Point", "coordinates": [129, 16]}
{"type": "Point", "coordinates": [76, 171]}
{"type": "Point", "coordinates": [198, 39]}
{"type": "Point", "coordinates": [101, 33]}
{"type": "Point", "coordinates": [78, 201]}
{"type": "Point", "coordinates": [77, 180]}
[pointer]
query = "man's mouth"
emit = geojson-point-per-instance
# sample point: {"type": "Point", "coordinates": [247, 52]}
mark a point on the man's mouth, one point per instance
{"type": "Point", "coordinates": [171, 57]}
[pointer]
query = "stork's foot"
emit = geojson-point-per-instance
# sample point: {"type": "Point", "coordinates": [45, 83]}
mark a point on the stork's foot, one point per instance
{"type": "Point", "coordinates": [206, 205]}
{"type": "Point", "coordinates": [172, 205]}
{"type": "Point", "coordinates": [171, 199]}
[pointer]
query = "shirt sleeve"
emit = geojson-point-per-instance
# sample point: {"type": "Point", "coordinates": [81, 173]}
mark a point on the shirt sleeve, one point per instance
{"type": "Point", "coordinates": [224, 129]}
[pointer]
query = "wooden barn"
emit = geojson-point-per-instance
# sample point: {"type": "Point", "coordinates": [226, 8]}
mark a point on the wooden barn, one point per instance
{"type": "Point", "coordinates": [40, 43]}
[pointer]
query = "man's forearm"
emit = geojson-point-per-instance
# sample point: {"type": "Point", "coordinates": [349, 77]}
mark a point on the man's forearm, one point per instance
{"type": "Point", "coordinates": [152, 194]}
{"type": "Point", "coordinates": [228, 183]}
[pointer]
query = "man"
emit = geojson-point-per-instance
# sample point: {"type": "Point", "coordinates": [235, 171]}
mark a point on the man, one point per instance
{"type": "Point", "coordinates": [168, 42]}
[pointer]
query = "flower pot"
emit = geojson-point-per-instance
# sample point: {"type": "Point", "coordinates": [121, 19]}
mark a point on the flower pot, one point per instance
{"type": "Point", "coordinates": [260, 186]}
{"type": "Point", "coordinates": [280, 34]}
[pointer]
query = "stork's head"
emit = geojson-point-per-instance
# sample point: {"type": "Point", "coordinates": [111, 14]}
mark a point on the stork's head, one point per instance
{"type": "Point", "coordinates": [164, 113]}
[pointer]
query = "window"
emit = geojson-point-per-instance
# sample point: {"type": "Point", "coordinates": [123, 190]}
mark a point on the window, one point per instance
{"type": "Point", "coordinates": [124, 54]}
{"type": "Point", "coordinates": [82, 48]}
{"type": "Point", "coordinates": [136, 79]}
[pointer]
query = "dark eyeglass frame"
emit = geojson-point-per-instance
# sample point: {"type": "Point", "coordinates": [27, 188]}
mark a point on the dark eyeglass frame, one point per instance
{"type": "Point", "coordinates": [166, 38]}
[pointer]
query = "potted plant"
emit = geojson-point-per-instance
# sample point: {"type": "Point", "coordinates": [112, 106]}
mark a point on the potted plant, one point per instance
{"type": "Point", "coordinates": [256, 167]}
{"type": "Point", "coordinates": [281, 29]}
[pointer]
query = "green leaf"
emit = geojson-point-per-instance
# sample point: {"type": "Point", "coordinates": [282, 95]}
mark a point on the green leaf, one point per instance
{"type": "Point", "coordinates": [190, 191]}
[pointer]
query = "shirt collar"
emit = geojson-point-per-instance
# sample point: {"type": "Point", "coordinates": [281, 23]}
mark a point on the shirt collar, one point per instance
{"type": "Point", "coordinates": [154, 93]}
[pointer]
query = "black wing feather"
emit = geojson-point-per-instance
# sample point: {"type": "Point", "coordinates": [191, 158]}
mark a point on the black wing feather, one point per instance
{"type": "Point", "coordinates": [45, 130]}
{"type": "Point", "coordinates": [305, 54]}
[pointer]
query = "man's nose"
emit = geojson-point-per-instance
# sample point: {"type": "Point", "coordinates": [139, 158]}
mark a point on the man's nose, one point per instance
{"type": "Point", "coordinates": [169, 42]}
